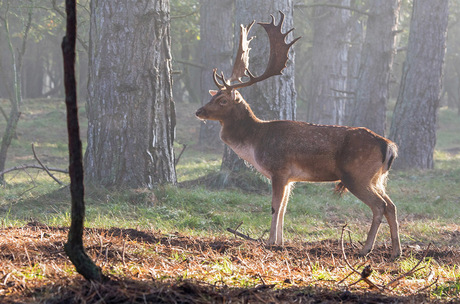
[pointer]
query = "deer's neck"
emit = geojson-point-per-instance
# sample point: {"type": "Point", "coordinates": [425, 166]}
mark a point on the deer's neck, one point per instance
{"type": "Point", "coordinates": [241, 127]}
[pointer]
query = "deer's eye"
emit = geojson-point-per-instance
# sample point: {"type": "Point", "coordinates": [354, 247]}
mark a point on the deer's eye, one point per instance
{"type": "Point", "coordinates": [223, 101]}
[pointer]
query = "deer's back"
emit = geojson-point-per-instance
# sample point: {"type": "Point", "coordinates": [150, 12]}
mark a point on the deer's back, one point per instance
{"type": "Point", "coordinates": [309, 152]}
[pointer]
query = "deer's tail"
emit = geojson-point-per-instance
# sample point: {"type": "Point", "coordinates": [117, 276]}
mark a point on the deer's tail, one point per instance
{"type": "Point", "coordinates": [391, 152]}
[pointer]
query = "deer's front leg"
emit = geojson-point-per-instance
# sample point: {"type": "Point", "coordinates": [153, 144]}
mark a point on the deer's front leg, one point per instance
{"type": "Point", "coordinates": [280, 195]}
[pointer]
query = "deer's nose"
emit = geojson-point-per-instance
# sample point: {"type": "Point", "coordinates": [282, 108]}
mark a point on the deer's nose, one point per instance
{"type": "Point", "coordinates": [200, 112]}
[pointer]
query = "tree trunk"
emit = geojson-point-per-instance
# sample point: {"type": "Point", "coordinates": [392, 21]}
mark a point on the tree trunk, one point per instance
{"type": "Point", "coordinates": [216, 44]}
{"type": "Point", "coordinates": [74, 246]}
{"type": "Point", "coordinates": [16, 98]}
{"type": "Point", "coordinates": [327, 97]}
{"type": "Point", "coordinates": [414, 121]}
{"type": "Point", "coordinates": [11, 125]}
{"type": "Point", "coordinates": [274, 98]}
{"type": "Point", "coordinates": [32, 78]}
{"type": "Point", "coordinates": [353, 59]}
{"type": "Point", "coordinates": [372, 88]}
{"type": "Point", "coordinates": [131, 116]}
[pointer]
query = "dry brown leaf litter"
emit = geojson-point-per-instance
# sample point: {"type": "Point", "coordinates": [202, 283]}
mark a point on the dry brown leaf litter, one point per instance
{"type": "Point", "coordinates": [151, 267]}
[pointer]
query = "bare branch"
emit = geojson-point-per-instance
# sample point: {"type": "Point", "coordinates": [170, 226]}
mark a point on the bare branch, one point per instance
{"type": "Point", "coordinates": [29, 166]}
{"type": "Point", "coordinates": [184, 146]}
{"type": "Point", "coordinates": [343, 252]}
{"type": "Point", "coordinates": [193, 64]}
{"type": "Point", "coordinates": [186, 15]}
{"type": "Point", "coordinates": [414, 269]}
{"type": "Point", "coordinates": [353, 9]}
{"type": "Point", "coordinates": [366, 271]}
{"type": "Point", "coordinates": [427, 287]}
{"type": "Point", "coordinates": [241, 235]}
{"type": "Point", "coordinates": [343, 92]}
{"type": "Point", "coordinates": [26, 34]}
{"type": "Point", "coordinates": [44, 167]}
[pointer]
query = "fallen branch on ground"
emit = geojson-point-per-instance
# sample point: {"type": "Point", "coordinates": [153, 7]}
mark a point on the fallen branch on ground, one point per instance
{"type": "Point", "coordinates": [364, 275]}
{"type": "Point", "coordinates": [241, 235]}
{"type": "Point", "coordinates": [414, 269]}
{"type": "Point", "coordinates": [366, 271]}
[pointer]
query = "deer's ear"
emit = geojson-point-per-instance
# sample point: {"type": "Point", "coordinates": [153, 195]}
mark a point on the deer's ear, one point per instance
{"type": "Point", "coordinates": [213, 92]}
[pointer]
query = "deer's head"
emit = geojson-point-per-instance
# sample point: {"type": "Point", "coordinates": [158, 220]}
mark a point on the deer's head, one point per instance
{"type": "Point", "coordinates": [221, 105]}
{"type": "Point", "coordinates": [227, 98]}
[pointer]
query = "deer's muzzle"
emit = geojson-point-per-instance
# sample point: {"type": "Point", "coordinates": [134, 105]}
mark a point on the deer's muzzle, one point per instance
{"type": "Point", "coordinates": [201, 113]}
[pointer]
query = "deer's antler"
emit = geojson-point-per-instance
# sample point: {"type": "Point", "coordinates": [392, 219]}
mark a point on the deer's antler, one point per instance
{"type": "Point", "coordinates": [242, 56]}
{"type": "Point", "coordinates": [276, 63]}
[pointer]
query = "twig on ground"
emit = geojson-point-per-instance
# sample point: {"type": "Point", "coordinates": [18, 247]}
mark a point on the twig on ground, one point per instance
{"type": "Point", "coordinates": [261, 279]}
{"type": "Point", "coordinates": [241, 235]}
{"type": "Point", "coordinates": [349, 237]}
{"type": "Point", "coordinates": [239, 225]}
{"type": "Point", "coordinates": [27, 255]}
{"type": "Point", "coordinates": [123, 252]}
{"type": "Point", "coordinates": [426, 287]}
{"type": "Point", "coordinates": [414, 269]}
{"type": "Point", "coordinates": [366, 271]}
{"type": "Point", "coordinates": [342, 280]}
{"type": "Point", "coordinates": [45, 168]}
{"type": "Point", "coordinates": [24, 192]}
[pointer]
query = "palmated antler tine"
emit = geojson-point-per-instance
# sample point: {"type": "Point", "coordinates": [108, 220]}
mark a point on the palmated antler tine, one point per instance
{"type": "Point", "coordinates": [242, 56]}
{"type": "Point", "coordinates": [277, 61]}
{"type": "Point", "coordinates": [279, 50]}
{"type": "Point", "coordinates": [278, 47]}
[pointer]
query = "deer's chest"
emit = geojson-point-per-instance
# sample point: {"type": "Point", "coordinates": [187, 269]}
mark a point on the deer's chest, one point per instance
{"type": "Point", "coordinates": [247, 152]}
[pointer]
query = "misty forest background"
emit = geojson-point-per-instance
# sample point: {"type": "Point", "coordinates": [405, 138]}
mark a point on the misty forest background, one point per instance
{"type": "Point", "coordinates": [144, 68]}
{"type": "Point", "coordinates": [360, 63]}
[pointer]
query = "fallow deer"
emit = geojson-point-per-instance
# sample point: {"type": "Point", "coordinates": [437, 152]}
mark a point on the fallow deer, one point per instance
{"type": "Point", "coordinates": [292, 151]}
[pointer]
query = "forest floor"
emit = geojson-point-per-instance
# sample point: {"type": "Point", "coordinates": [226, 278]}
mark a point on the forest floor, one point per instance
{"type": "Point", "coordinates": [153, 267]}
{"type": "Point", "coordinates": [171, 246]}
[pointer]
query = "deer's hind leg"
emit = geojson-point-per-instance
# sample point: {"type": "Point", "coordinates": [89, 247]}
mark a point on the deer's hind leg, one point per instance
{"type": "Point", "coordinates": [391, 216]}
{"type": "Point", "coordinates": [367, 193]}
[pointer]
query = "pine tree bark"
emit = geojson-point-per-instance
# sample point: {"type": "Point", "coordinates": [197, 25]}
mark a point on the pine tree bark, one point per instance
{"type": "Point", "coordinates": [274, 98]}
{"type": "Point", "coordinates": [327, 100]}
{"type": "Point", "coordinates": [414, 121]}
{"type": "Point", "coordinates": [353, 61]}
{"type": "Point", "coordinates": [216, 24]}
{"type": "Point", "coordinates": [131, 116]}
{"type": "Point", "coordinates": [372, 88]}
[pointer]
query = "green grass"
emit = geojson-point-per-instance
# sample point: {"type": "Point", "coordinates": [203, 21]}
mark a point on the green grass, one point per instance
{"type": "Point", "coordinates": [194, 164]}
{"type": "Point", "coordinates": [428, 201]}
